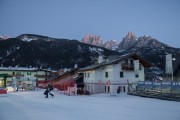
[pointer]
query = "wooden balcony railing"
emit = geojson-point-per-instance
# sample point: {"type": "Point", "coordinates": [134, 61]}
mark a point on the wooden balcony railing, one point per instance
{"type": "Point", "coordinates": [126, 66]}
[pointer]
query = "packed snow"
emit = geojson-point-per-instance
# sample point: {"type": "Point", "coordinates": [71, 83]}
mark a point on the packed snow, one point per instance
{"type": "Point", "coordinates": [32, 105]}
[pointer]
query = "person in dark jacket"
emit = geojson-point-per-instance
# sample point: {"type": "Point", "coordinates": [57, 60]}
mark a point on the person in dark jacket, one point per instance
{"type": "Point", "coordinates": [50, 88]}
{"type": "Point", "coordinates": [46, 92]}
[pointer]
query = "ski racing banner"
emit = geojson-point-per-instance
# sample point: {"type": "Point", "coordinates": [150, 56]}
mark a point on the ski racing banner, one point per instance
{"type": "Point", "coordinates": [160, 85]}
{"type": "Point", "coordinates": [169, 64]}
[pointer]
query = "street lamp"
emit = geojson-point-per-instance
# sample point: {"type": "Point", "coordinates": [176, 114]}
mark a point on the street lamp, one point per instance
{"type": "Point", "coordinates": [173, 59]}
{"type": "Point", "coordinates": [169, 67]}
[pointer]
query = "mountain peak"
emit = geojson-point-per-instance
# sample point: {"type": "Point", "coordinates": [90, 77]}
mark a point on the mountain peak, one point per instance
{"type": "Point", "coordinates": [93, 40]}
{"type": "Point", "coordinates": [5, 37]}
{"type": "Point", "coordinates": [128, 41]}
{"type": "Point", "coordinates": [112, 45]}
{"type": "Point", "coordinates": [30, 37]}
{"type": "Point", "coordinates": [131, 36]}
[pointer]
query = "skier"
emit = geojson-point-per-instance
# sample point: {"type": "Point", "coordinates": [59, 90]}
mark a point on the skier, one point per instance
{"type": "Point", "coordinates": [46, 92]}
{"type": "Point", "coordinates": [50, 88]}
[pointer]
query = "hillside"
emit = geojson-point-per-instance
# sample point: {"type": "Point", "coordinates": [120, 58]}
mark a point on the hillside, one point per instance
{"type": "Point", "coordinates": [148, 47]}
{"type": "Point", "coordinates": [29, 50]}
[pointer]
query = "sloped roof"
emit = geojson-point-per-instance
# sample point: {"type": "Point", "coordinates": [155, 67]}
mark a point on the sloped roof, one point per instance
{"type": "Point", "coordinates": [117, 59]}
{"type": "Point", "coordinates": [18, 69]}
{"type": "Point", "coordinates": [68, 80]}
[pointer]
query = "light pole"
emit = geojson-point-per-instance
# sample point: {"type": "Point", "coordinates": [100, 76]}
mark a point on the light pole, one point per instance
{"type": "Point", "coordinates": [169, 67]}
{"type": "Point", "coordinates": [173, 59]}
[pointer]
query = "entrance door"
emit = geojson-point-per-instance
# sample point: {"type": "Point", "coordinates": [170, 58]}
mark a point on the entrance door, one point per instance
{"type": "Point", "coordinates": [124, 89]}
{"type": "Point", "coordinates": [121, 89]}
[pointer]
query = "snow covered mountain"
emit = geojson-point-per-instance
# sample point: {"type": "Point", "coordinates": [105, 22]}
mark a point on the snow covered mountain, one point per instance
{"type": "Point", "coordinates": [128, 41]}
{"type": "Point", "coordinates": [97, 41]}
{"type": "Point", "coordinates": [148, 47]}
{"type": "Point", "coordinates": [31, 37]}
{"type": "Point", "coordinates": [36, 51]}
{"type": "Point", "coordinates": [112, 45]}
{"type": "Point", "coordinates": [93, 40]}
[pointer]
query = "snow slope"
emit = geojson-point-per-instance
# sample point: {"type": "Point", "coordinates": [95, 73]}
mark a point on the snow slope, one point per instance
{"type": "Point", "coordinates": [33, 106]}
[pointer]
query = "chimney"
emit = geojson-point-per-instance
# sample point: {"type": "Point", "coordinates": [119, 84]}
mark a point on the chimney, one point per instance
{"type": "Point", "coordinates": [100, 59]}
{"type": "Point", "coordinates": [75, 65]}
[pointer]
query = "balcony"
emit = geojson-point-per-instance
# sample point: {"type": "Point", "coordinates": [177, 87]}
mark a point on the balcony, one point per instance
{"type": "Point", "coordinates": [126, 66]}
{"type": "Point", "coordinates": [41, 76]}
{"type": "Point", "coordinates": [16, 75]}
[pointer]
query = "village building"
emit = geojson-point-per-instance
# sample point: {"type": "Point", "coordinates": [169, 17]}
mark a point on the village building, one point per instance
{"type": "Point", "coordinates": [114, 74]}
{"type": "Point", "coordinates": [68, 81]}
{"type": "Point", "coordinates": [21, 77]}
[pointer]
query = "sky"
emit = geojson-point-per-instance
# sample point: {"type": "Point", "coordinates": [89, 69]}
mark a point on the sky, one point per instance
{"type": "Point", "coordinates": [110, 19]}
{"type": "Point", "coordinates": [31, 105]}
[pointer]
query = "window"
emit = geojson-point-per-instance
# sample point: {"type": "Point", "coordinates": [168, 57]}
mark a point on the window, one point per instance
{"type": "Point", "coordinates": [121, 74]}
{"type": "Point", "coordinates": [136, 75]}
{"type": "Point", "coordinates": [131, 61]}
{"type": "Point", "coordinates": [18, 73]}
{"type": "Point", "coordinates": [88, 75]}
{"type": "Point", "coordinates": [106, 74]}
{"type": "Point", "coordinates": [84, 74]}
{"type": "Point", "coordinates": [140, 67]}
{"type": "Point", "coordinates": [28, 73]}
{"type": "Point", "coordinates": [126, 61]}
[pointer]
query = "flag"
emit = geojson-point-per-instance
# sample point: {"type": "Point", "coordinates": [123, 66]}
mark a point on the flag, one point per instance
{"type": "Point", "coordinates": [169, 64]}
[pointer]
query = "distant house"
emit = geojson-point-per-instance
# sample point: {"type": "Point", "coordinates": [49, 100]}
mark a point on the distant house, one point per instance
{"type": "Point", "coordinates": [22, 77]}
{"type": "Point", "coordinates": [67, 81]}
{"type": "Point", "coordinates": [114, 74]}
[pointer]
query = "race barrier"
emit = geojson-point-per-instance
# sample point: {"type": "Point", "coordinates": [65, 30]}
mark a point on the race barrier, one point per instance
{"type": "Point", "coordinates": [159, 86]}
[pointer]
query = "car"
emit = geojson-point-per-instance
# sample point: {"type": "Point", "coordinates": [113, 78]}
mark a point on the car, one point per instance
{"type": "Point", "coordinates": [3, 91]}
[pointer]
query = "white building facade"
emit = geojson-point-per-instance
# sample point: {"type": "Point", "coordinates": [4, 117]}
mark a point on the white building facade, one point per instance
{"type": "Point", "coordinates": [22, 78]}
{"type": "Point", "coordinates": [115, 76]}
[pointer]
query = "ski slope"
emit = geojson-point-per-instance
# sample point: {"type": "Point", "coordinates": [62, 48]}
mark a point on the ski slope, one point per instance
{"type": "Point", "coordinates": [32, 105]}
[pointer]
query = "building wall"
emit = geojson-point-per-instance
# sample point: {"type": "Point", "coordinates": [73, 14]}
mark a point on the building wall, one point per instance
{"type": "Point", "coordinates": [20, 77]}
{"type": "Point", "coordinates": [113, 71]}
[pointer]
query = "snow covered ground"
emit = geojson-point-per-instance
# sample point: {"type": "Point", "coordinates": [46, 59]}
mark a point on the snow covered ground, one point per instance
{"type": "Point", "coordinates": [33, 106]}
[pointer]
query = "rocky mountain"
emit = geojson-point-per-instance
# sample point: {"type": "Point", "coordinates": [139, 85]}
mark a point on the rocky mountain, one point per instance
{"type": "Point", "coordinates": [149, 48]}
{"type": "Point", "coordinates": [112, 45]}
{"type": "Point", "coordinates": [97, 41]}
{"type": "Point", "coordinates": [93, 40]}
{"type": "Point", "coordinates": [30, 50]}
{"type": "Point", "coordinates": [4, 37]}
{"type": "Point", "coordinates": [128, 41]}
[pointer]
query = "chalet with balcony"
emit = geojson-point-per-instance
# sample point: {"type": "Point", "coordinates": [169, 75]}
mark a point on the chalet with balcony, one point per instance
{"type": "Point", "coordinates": [114, 74]}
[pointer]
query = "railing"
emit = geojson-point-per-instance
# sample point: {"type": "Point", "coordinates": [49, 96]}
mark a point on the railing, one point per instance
{"type": "Point", "coordinates": [126, 66]}
{"type": "Point", "coordinates": [41, 76]}
{"type": "Point", "coordinates": [16, 75]}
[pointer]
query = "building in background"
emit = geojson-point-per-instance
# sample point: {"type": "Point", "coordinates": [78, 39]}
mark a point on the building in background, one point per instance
{"type": "Point", "coordinates": [22, 78]}
{"type": "Point", "coordinates": [114, 74]}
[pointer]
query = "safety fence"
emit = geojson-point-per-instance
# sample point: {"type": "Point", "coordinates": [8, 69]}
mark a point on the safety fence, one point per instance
{"type": "Point", "coordinates": [68, 88]}
{"type": "Point", "coordinates": [160, 90]}
{"type": "Point", "coordinates": [166, 87]}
